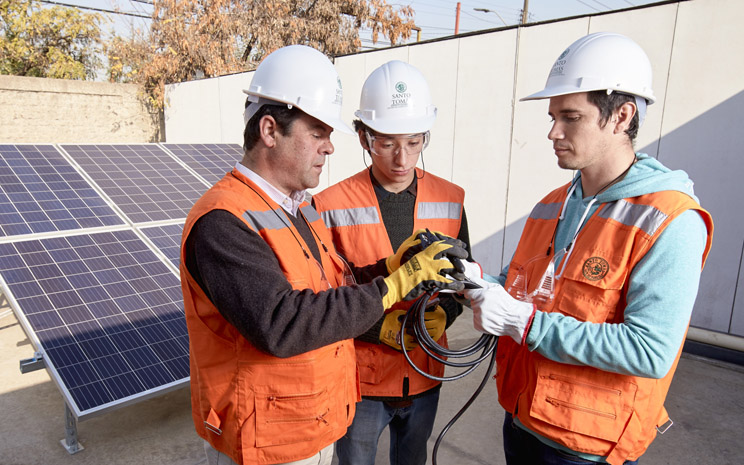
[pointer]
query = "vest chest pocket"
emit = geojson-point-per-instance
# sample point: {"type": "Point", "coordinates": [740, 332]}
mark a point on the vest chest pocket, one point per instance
{"type": "Point", "coordinates": [592, 286]}
{"type": "Point", "coordinates": [292, 418]}
{"type": "Point", "coordinates": [577, 399]}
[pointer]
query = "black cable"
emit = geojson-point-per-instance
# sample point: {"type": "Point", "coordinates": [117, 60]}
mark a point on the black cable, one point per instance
{"type": "Point", "coordinates": [486, 342]}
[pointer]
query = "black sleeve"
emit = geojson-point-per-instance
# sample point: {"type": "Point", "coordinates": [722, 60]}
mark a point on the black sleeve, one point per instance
{"type": "Point", "coordinates": [241, 276]}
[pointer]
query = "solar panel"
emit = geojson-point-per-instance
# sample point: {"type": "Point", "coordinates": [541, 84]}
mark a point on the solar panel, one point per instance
{"type": "Point", "coordinates": [167, 239]}
{"type": "Point", "coordinates": [40, 192]}
{"type": "Point", "coordinates": [211, 161]}
{"type": "Point", "coordinates": [143, 180]}
{"type": "Point", "coordinates": [106, 312]}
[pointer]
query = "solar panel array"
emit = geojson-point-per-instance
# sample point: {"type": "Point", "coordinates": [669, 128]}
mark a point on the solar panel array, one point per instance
{"type": "Point", "coordinates": [211, 161]}
{"type": "Point", "coordinates": [89, 251]}
{"type": "Point", "coordinates": [42, 193]}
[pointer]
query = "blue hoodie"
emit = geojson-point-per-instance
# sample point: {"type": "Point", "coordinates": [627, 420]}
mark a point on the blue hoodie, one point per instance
{"type": "Point", "coordinates": [659, 303]}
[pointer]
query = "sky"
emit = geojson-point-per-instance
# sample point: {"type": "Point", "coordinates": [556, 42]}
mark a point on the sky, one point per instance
{"type": "Point", "coordinates": [436, 18]}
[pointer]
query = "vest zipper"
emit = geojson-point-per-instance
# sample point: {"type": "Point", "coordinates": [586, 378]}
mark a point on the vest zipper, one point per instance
{"type": "Point", "coordinates": [320, 417]}
{"type": "Point", "coordinates": [274, 399]}
{"type": "Point", "coordinates": [562, 403]}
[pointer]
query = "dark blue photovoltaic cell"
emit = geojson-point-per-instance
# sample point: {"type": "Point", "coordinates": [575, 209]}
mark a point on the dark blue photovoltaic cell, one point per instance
{"type": "Point", "coordinates": [142, 180]}
{"type": "Point", "coordinates": [40, 192]}
{"type": "Point", "coordinates": [167, 239]}
{"type": "Point", "coordinates": [211, 161]}
{"type": "Point", "coordinates": [107, 312]}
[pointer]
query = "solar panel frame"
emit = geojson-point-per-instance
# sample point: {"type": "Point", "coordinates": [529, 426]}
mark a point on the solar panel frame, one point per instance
{"type": "Point", "coordinates": [167, 239]}
{"type": "Point", "coordinates": [211, 161]}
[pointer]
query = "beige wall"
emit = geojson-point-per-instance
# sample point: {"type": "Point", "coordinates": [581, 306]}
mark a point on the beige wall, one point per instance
{"type": "Point", "coordinates": [37, 110]}
{"type": "Point", "coordinates": [496, 147]}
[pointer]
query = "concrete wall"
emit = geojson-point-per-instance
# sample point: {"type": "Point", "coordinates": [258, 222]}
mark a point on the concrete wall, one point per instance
{"type": "Point", "coordinates": [496, 147]}
{"type": "Point", "coordinates": [37, 110]}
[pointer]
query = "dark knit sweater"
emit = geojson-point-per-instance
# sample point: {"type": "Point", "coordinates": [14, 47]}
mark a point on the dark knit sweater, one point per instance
{"type": "Point", "coordinates": [241, 276]}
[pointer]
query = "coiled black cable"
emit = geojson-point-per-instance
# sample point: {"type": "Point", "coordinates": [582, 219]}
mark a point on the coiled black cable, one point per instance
{"type": "Point", "coordinates": [441, 354]}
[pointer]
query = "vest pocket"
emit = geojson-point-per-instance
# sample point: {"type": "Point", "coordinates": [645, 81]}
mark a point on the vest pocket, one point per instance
{"type": "Point", "coordinates": [292, 418]}
{"type": "Point", "coordinates": [583, 400]}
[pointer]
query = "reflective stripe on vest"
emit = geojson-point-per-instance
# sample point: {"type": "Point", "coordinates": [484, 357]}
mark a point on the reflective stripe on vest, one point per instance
{"type": "Point", "coordinates": [439, 210]}
{"type": "Point", "coordinates": [350, 217]}
{"type": "Point", "coordinates": [268, 219]}
{"type": "Point", "coordinates": [546, 211]}
{"type": "Point", "coordinates": [644, 217]}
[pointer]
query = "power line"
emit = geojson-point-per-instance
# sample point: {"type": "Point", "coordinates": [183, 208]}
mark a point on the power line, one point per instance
{"type": "Point", "coordinates": [90, 8]}
{"type": "Point", "coordinates": [601, 4]}
{"type": "Point", "coordinates": [587, 5]}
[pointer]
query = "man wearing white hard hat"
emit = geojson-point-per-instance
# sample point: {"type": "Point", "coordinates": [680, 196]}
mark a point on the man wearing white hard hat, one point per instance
{"type": "Point", "coordinates": [268, 305]}
{"type": "Point", "coordinates": [371, 214]}
{"type": "Point", "coordinates": [596, 301]}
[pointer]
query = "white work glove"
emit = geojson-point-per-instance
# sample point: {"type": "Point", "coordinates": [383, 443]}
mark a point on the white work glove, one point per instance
{"type": "Point", "coordinates": [498, 313]}
{"type": "Point", "coordinates": [474, 273]}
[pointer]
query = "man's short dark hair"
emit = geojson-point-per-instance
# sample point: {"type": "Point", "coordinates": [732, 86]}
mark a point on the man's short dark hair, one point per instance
{"type": "Point", "coordinates": [608, 104]}
{"type": "Point", "coordinates": [283, 116]}
{"type": "Point", "coordinates": [359, 125]}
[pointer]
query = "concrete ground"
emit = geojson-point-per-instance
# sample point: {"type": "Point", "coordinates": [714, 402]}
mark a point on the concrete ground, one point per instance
{"type": "Point", "coordinates": [706, 402]}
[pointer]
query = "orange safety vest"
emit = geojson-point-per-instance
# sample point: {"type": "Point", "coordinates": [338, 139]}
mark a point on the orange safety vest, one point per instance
{"type": "Point", "coordinates": [351, 211]}
{"type": "Point", "coordinates": [250, 405]}
{"type": "Point", "coordinates": [586, 409]}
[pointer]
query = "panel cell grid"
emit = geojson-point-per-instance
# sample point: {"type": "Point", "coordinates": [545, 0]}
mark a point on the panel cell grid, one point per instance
{"type": "Point", "coordinates": [40, 192]}
{"type": "Point", "coordinates": [212, 161]}
{"type": "Point", "coordinates": [142, 180]}
{"type": "Point", "coordinates": [106, 311]}
{"type": "Point", "coordinates": [167, 239]}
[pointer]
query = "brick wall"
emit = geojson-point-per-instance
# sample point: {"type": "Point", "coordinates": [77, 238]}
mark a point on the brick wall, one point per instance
{"type": "Point", "coordinates": [37, 110]}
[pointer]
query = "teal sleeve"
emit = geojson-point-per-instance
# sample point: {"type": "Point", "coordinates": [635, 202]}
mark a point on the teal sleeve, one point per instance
{"type": "Point", "coordinates": [661, 294]}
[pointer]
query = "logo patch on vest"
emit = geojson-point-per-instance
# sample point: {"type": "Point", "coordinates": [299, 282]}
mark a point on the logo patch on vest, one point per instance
{"type": "Point", "coordinates": [595, 268]}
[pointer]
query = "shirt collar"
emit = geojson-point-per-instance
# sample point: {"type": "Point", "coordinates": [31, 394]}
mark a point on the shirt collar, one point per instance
{"type": "Point", "coordinates": [382, 193]}
{"type": "Point", "coordinates": [290, 203]}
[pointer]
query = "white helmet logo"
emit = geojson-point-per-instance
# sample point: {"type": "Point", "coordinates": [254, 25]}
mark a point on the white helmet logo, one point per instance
{"type": "Point", "coordinates": [559, 64]}
{"type": "Point", "coordinates": [400, 98]}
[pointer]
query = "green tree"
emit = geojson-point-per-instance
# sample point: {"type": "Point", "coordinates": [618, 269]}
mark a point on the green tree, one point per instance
{"type": "Point", "coordinates": [207, 38]}
{"type": "Point", "coordinates": [56, 42]}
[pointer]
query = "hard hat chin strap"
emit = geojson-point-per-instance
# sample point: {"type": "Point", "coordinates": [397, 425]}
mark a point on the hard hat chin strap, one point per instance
{"type": "Point", "coordinates": [641, 109]}
{"type": "Point", "coordinates": [256, 104]}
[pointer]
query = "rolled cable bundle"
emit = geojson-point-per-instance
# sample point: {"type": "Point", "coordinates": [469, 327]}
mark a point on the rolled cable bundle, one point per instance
{"type": "Point", "coordinates": [441, 354]}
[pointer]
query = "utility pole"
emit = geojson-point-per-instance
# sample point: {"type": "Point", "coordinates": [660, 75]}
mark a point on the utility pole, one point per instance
{"type": "Point", "coordinates": [524, 11]}
{"type": "Point", "coordinates": [457, 19]}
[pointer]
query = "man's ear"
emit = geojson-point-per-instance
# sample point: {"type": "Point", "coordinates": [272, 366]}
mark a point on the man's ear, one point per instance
{"type": "Point", "coordinates": [363, 140]}
{"type": "Point", "coordinates": [623, 117]}
{"type": "Point", "coordinates": [267, 129]}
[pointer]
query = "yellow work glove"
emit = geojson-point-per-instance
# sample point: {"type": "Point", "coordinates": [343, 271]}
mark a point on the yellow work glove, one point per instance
{"type": "Point", "coordinates": [392, 334]}
{"type": "Point", "coordinates": [435, 320]}
{"type": "Point", "coordinates": [425, 271]}
{"type": "Point", "coordinates": [412, 244]}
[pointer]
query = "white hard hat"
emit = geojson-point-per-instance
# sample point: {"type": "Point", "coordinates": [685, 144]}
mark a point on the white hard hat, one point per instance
{"type": "Point", "coordinates": [299, 76]}
{"type": "Point", "coordinates": [395, 100]}
{"type": "Point", "coordinates": [600, 61]}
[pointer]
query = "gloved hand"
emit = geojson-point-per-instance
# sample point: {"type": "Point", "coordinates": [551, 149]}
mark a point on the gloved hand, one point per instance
{"type": "Point", "coordinates": [425, 271]}
{"type": "Point", "coordinates": [435, 320]}
{"type": "Point", "coordinates": [498, 313]}
{"type": "Point", "coordinates": [474, 273]}
{"type": "Point", "coordinates": [414, 245]}
{"type": "Point", "coordinates": [392, 334]}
